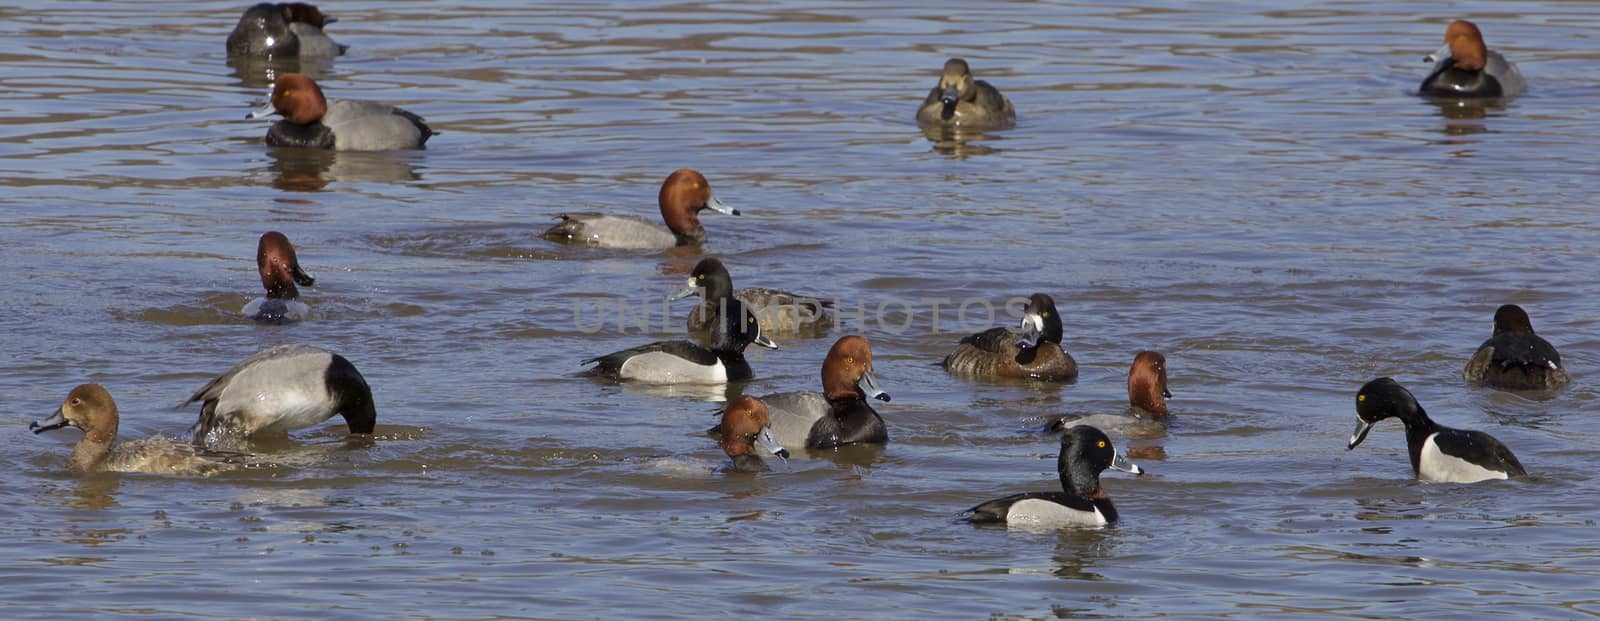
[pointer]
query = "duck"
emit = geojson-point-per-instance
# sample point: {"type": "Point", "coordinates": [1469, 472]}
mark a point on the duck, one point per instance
{"type": "Point", "coordinates": [687, 362]}
{"type": "Point", "coordinates": [311, 120]}
{"type": "Point", "coordinates": [1466, 67]}
{"type": "Point", "coordinates": [1147, 383]}
{"type": "Point", "coordinates": [683, 196]}
{"type": "Point", "coordinates": [839, 415]}
{"type": "Point", "coordinates": [90, 408]}
{"type": "Point", "coordinates": [1034, 352]}
{"type": "Point", "coordinates": [780, 312]}
{"type": "Point", "coordinates": [1514, 358]}
{"type": "Point", "coordinates": [278, 390]}
{"type": "Point", "coordinates": [1147, 405]}
{"type": "Point", "coordinates": [960, 101]}
{"type": "Point", "coordinates": [1085, 453]}
{"type": "Point", "coordinates": [745, 421]}
{"type": "Point", "coordinates": [1439, 454]}
{"type": "Point", "coordinates": [280, 271]}
{"type": "Point", "coordinates": [288, 29]}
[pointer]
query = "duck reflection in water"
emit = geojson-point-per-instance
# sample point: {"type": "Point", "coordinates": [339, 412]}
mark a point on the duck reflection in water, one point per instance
{"type": "Point", "coordinates": [310, 170]}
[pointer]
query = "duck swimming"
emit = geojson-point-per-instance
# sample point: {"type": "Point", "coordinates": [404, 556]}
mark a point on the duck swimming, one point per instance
{"type": "Point", "coordinates": [961, 101]}
{"type": "Point", "coordinates": [1465, 67]}
{"type": "Point", "coordinates": [1035, 352]}
{"type": "Point", "coordinates": [280, 271]}
{"type": "Point", "coordinates": [683, 196]}
{"type": "Point", "coordinates": [89, 407]}
{"type": "Point", "coordinates": [1085, 453]}
{"type": "Point", "coordinates": [1439, 454]}
{"type": "Point", "coordinates": [1514, 358]}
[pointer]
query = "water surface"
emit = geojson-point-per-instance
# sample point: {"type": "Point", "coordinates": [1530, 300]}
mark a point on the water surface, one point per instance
{"type": "Point", "coordinates": [1249, 188]}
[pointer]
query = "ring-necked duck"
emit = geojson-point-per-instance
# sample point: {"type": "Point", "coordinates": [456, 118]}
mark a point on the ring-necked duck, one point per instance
{"type": "Point", "coordinates": [1085, 453]}
{"type": "Point", "coordinates": [780, 312]}
{"type": "Point", "coordinates": [1439, 454]}
{"type": "Point", "coordinates": [688, 362]}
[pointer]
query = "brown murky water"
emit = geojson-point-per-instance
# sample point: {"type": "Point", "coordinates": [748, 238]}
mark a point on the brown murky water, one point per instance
{"type": "Point", "coordinates": [1247, 187]}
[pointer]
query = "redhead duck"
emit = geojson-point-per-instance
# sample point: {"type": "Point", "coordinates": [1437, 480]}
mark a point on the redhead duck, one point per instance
{"type": "Point", "coordinates": [1147, 383]}
{"type": "Point", "coordinates": [1147, 395]}
{"type": "Point", "coordinates": [997, 352]}
{"type": "Point", "coordinates": [744, 422]}
{"type": "Point", "coordinates": [1439, 454]}
{"type": "Point", "coordinates": [687, 362]}
{"type": "Point", "coordinates": [89, 407]}
{"type": "Point", "coordinates": [292, 29]}
{"type": "Point", "coordinates": [779, 312]}
{"type": "Point", "coordinates": [839, 415]}
{"type": "Point", "coordinates": [683, 196]}
{"type": "Point", "coordinates": [961, 101]}
{"type": "Point", "coordinates": [1515, 358]}
{"type": "Point", "coordinates": [280, 389]}
{"type": "Point", "coordinates": [1465, 67]}
{"type": "Point", "coordinates": [1085, 453]}
{"type": "Point", "coordinates": [280, 270]}
{"type": "Point", "coordinates": [313, 121]}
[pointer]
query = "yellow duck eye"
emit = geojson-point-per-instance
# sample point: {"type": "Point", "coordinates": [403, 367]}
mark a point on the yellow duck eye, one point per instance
{"type": "Point", "coordinates": [695, 185]}
{"type": "Point", "coordinates": [1101, 444]}
{"type": "Point", "coordinates": [1044, 314]}
{"type": "Point", "coordinates": [1361, 398]}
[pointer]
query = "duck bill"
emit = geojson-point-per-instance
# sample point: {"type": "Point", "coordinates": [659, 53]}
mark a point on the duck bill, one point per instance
{"type": "Point", "coordinates": [1362, 427]}
{"type": "Point", "coordinates": [301, 277]}
{"type": "Point", "coordinates": [869, 386]}
{"type": "Point", "coordinates": [771, 444]}
{"type": "Point", "coordinates": [762, 340]}
{"type": "Point", "coordinates": [1032, 326]}
{"type": "Point", "coordinates": [1166, 393]}
{"type": "Point", "coordinates": [716, 204]}
{"type": "Point", "coordinates": [1118, 462]}
{"type": "Point", "coordinates": [1443, 54]}
{"type": "Point", "coordinates": [262, 112]}
{"type": "Point", "coordinates": [56, 421]}
{"type": "Point", "coordinates": [949, 95]}
{"type": "Point", "coordinates": [689, 290]}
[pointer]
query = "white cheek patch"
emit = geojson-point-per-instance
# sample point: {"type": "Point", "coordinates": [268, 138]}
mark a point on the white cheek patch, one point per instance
{"type": "Point", "coordinates": [1436, 467]}
{"type": "Point", "coordinates": [1037, 512]}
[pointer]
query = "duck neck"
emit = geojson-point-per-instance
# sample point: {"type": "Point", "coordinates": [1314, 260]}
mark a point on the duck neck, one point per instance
{"type": "Point", "coordinates": [282, 292]}
{"type": "Point", "coordinates": [1052, 330]}
{"type": "Point", "coordinates": [729, 334]}
{"type": "Point", "coordinates": [1077, 478]}
{"type": "Point", "coordinates": [1418, 428]}
{"type": "Point", "coordinates": [89, 452]}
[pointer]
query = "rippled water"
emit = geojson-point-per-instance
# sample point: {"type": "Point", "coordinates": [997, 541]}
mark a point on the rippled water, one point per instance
{"type": "Point", "coordinates": [1247, 187]}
